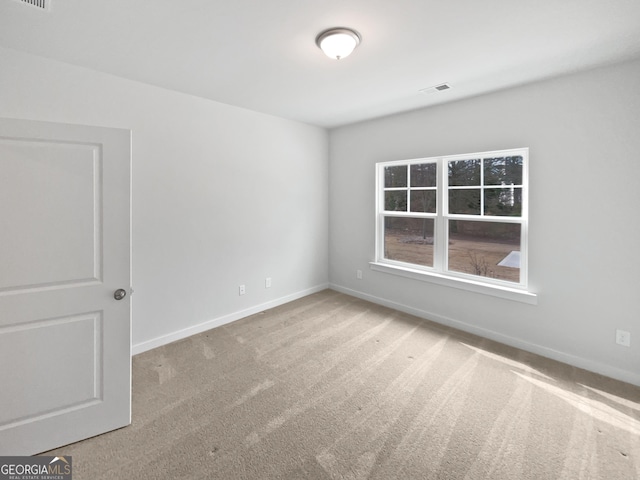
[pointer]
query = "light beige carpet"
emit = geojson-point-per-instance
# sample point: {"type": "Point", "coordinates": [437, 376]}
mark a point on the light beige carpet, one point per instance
{"type": "Point", "coordinates": [332, 387]}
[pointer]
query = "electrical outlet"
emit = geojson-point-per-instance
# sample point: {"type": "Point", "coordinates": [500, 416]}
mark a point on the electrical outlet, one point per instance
{"type": "Point", "coordinates": [359, 274]}
{"type": "Point", "coordinates": [241, 290]}
{"type": "Point", "coordinates": [267, 282]}
{"type": "Point", "coordinates": [623, 338]}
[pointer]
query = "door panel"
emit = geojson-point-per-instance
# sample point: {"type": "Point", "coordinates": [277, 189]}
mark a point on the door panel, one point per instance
{"type": "Point", "coordinates": [65, 357]}
{"type": "Point", "coordinates": [55, 234]}
{"type": "Point", "coordinates": [76, 372]}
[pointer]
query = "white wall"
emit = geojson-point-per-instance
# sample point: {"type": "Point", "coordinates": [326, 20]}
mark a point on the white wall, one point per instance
{"type": "Point", "coordinates": [221, 195]}
{"type": "Point", "coordinates": [224, 196]}
{"type": "Point", "coordinates": [582, 131]}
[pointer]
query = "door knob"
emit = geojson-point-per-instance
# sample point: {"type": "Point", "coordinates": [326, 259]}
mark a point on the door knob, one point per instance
{"type": "Point", "coordinates": [119, 294]}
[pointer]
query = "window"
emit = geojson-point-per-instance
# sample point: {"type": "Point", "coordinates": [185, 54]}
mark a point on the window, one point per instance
{"type": "Point", "coordinates": [463, 217]}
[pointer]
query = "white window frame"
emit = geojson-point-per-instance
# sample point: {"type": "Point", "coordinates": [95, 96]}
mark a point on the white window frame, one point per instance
{"type": "Point", "coordinates": [440, 273]}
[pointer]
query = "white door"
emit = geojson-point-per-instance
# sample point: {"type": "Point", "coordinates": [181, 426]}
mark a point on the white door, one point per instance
{"type": "Point", "coordinates": [65, 341]}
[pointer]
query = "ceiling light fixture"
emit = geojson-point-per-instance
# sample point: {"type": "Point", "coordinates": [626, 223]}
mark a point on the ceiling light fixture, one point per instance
{"type": "Point", "coordinates": [338, 42]}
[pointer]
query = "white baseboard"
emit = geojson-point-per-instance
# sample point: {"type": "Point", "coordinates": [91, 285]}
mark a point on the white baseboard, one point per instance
{"type": "Point", "coordinates": [592, 366]}
{"type": "Point", "coordinates": [217, 322]}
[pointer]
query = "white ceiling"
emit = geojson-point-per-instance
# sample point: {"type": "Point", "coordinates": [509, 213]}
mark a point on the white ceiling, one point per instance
{"type": "Point", "coordinates": [261, 54]}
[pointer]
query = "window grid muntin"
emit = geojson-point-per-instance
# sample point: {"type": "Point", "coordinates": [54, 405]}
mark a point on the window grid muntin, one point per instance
{"type": "Point", "coordinates": [409, 188]}
{"type": "Point", "coordinates": [481, 186]}
{"type": "Point", "coordinates": [481, 216]}
{"type": "Point", "coordinates": [442, 217]}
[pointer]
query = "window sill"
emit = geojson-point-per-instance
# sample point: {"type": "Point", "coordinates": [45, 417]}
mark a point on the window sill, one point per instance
{"type": "Point", "coordinates": [514, 294]}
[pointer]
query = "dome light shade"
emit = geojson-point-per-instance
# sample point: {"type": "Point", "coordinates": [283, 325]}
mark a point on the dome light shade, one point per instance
{"type": "Point", "coordinates": [338, 43]}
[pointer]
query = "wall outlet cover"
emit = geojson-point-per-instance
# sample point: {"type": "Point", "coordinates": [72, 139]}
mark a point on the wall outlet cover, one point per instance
{"type": "Point", "coordinates": [623, 338]}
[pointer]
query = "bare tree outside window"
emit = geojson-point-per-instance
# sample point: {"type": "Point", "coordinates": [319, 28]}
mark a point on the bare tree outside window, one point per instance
{"type": "Point", "coordinates": [479, 225]}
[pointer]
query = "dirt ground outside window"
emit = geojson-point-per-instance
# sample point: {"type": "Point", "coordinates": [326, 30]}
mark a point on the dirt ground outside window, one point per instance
{"type": "Point", "coordinates": [467, 254]}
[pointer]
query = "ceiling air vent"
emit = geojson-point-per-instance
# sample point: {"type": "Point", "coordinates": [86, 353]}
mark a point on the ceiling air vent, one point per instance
{"type": "Point", "coordinates": [436, 88]}
{"type": "Point", "coordinates": [39, 4]}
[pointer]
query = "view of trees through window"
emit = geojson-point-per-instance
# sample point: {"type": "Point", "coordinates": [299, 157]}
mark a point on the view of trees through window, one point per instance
{"type": "Point", "coordinates": [480, 219]}
{"type": "Point", "coordinates": [410, 189]}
